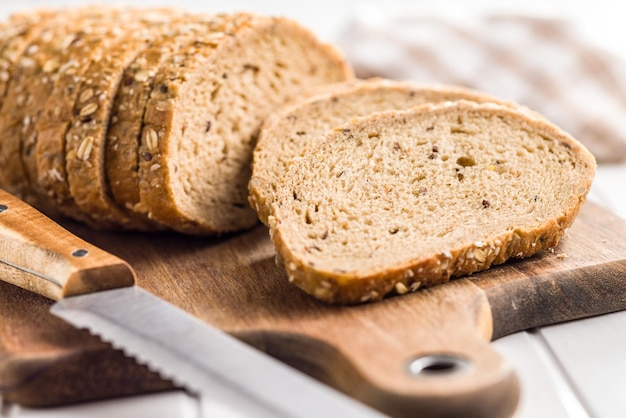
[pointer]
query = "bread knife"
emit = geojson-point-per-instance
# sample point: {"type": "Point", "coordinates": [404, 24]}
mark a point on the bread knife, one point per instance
{"type": "Point", "coordinates": [96, 290]}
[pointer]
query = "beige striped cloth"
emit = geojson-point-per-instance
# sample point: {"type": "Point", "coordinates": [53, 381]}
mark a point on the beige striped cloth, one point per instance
{"type": "Point", "coordinates": [545, 64]}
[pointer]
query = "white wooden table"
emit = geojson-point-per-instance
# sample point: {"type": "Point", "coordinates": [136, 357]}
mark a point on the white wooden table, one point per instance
{"type": "Point", "coordinates": [576, 369]}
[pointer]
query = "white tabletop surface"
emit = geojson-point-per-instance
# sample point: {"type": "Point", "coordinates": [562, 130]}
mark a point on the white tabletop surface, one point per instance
{"type": "Point", "coordinates": [576, 369]}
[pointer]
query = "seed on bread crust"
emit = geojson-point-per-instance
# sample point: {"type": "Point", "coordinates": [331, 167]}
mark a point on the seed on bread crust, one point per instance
{"type": "Point", "coordinates": [86, 95]}
{"type": "Point", "coordinates": [151, 140]}
{"type": "Point", "coordinates": [84, 149]}
{"type": "Point", "coordinates": [88, 109]}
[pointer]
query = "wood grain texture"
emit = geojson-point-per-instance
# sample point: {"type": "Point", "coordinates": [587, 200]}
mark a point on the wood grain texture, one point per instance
{"type": "Point", "coordinates": [234, 284]}
{"type": "Point", "coordinates": [65, 264]}
{"type": "Point", "coordinates": [584, 276]}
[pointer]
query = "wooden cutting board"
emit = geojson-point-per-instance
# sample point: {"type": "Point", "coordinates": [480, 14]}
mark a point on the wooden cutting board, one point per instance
{"type": "Point", "coordinates": [234, 284]}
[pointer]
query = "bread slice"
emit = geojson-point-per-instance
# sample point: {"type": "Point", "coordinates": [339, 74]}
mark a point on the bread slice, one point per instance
{"type": "Point", "coordinates": [123, 139]}
{"type": "Point", "coordinates": [286, 133]}
{"type": "Point", "coordinates": [204, 114]}
{"type": "Point", "coordinates": [16, 34]}
{"type": "Point", "coordinates": [406, 199]}
{"type": "Point", "coordinates": [122, 143]}
{"type": "Point", "coordinates": [85, 140]}
{"type": "Point", "coordinates": [83, 47]}
{"type": "Point", "coordinates": [24, 41]}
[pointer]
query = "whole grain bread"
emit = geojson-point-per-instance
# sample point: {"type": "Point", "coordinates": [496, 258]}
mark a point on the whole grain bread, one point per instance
{"type": "Point", "coordinates": [16, 34]}
{"type": "Point", "coordinates": [85, 140]}
{"type": "Point", "coordinates": [406, 199]}
{"type": "Point", "coordinates": [25, 44]}
{"type": "Point", "coordinates": [122, 143]}
{"type": "Point", "coordinates": [85, 54]}
{"type": "Point", "coordinates": [286, 133]}
{"type": "Point", "coordinates": [205, 96]}
{"type": "Point", "coordinates": [204, 114]}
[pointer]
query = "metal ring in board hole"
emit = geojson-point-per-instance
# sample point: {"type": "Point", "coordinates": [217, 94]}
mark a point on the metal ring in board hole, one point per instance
{"type": "Point", "coordinates": [3, 208]}
{"type": "Point", "coordinates": [438, 365]}
{"type": "Point", "coordinates": [80, 253]}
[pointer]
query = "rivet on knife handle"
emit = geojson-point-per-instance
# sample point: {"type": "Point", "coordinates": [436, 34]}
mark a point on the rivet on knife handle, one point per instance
{"type": "Point", "coordinates": [39, 255]}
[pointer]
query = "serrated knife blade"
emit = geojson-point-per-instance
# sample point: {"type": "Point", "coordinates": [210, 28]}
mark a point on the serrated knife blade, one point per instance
{"type": "Point", "coordinates": [95, 290]}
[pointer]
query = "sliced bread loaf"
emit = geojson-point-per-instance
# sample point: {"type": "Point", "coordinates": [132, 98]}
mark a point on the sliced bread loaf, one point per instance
{"type": "Point", "coordinates": [205, 96]}
{"type": "Point", "coordinates": [404, 199]}
{"type": "Point", "coordinates": [204, 114]}
{"type": "Point", "coordinates": [285, 134]}
{"type": "Point", "coordinates": [84, 55]}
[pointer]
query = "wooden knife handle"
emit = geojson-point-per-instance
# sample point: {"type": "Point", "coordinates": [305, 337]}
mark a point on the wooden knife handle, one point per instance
{"type": "Point", "coordinates": [39, 255]}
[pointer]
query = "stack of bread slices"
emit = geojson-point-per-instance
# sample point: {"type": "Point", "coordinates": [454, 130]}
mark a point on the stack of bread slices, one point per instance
{"type": "Point", "coordinates": [158, 119]}
{"type": "Point", "coordinates": [146, 119]}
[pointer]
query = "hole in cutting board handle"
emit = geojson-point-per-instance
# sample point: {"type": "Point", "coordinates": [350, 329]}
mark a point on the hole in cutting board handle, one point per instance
{"type": "Point", "coordinates": [438, 365]}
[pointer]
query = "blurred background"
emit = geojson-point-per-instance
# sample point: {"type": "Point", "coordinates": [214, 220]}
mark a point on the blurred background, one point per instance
{"type": "Point", "coordinates": [562, 59]}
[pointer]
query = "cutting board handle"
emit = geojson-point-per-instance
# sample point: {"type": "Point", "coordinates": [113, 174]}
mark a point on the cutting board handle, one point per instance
{"type": "Point", "coordinates": [441, 366]}
{"type": "Point", "coordinates": [39, 255]}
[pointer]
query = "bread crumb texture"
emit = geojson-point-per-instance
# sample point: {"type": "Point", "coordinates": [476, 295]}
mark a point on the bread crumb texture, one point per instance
{"type": "Point", "coordinates": [286, 133]}
{"type": "Point", "coordinates": [404, 199]}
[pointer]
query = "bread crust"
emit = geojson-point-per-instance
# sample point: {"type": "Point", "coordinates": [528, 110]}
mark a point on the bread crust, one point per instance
{"type": "Point", "coordinates": [424, 270]}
